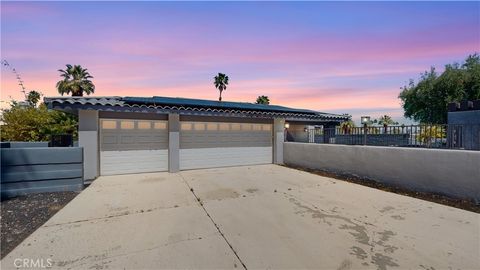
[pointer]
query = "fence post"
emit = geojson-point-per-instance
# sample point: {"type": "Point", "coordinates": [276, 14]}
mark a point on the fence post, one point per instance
{"type": "Point", "coordinates": [365, 131]}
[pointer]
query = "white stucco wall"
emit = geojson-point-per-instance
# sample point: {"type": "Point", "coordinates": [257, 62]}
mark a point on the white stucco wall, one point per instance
{"type": "Point", "coordinates": [451, 172]}
{"type": "Point", "coordinates": [88, 139]}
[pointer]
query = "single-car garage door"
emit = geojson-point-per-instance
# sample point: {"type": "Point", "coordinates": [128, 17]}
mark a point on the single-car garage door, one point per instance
{"type": "Point", "coordinates": [133, 146]}
{"type": "Point", "coordinates": [213, 144]}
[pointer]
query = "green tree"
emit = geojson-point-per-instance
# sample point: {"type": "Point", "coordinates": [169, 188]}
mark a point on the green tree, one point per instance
{"type": "Point", "coordinates": [20, 123]}
{"type": "Point", "coordinates": [263, 100]}
{"type": "Point", "coordinates": [426, 101]}
{"type": "Point", "coordinates": [33, 97]}
{"type": "Point", "coordinates": [221, 82]}
{"type": "Point", "coordinates": [76, 80]}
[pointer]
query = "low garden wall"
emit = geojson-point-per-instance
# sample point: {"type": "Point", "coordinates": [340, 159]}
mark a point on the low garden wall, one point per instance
{"type": "Point", "coordinates": [40, 169]}
{"type": "Point", "coordinates": [23, 144]}
{"type": "Point", "coordinates": [451, 172]}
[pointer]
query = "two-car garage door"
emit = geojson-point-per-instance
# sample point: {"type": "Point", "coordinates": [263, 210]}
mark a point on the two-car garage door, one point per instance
{"type": "Point", "coordinates": [214, 144]}
{"type": "Point", "coordinates": [133, 146]}
{"type": "Point", "coordinates": [136, 146]}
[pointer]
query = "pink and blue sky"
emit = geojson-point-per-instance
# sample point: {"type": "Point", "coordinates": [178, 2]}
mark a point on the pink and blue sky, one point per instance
{"type": "Point", "coordinates": [342, 57]}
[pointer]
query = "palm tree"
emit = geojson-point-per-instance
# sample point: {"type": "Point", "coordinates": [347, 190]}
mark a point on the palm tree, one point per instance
{"type": "Point", "coordinates": [386, 120]}
{"type": "Point", "coordinates": [76, 80]}
{"type": "Point", "coordinates": [263, 100]}
{"type": "Point", "coordinates": [221, 82]}
{"type": "Point", "coordinates": [33, 97]}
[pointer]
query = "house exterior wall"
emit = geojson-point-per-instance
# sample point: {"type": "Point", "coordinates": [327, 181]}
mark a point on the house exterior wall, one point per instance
{"type": "Point", "coordinates": [173, 142]}
{"type": "Point", "coordinates": [89, 136]}
{"type": "Point", "coordinates": [278, 139]}
{"type": "Point", "coordinates": [88, 139]}
{"type": "Point", "coordinates": [297, 133]}
{"type": "Point", "coordinates": [451, 172]}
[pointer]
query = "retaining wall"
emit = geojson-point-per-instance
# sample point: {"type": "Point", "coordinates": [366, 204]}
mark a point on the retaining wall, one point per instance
{"type": "Point", "coordinates": [40, 169]}
{"type": "Point", "coordinates": [451, 172]}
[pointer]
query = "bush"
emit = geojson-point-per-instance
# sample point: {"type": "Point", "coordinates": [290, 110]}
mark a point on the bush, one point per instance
{"type": "Point", "coordinates": [30, 123]}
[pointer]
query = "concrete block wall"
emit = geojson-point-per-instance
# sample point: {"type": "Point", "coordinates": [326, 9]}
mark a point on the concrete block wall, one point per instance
{"type": "Point", "coordinates": [451, 172]}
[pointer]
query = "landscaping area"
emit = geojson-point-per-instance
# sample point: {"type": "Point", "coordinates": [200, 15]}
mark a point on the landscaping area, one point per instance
{"type": "Point", "coordinates": [22, 215]}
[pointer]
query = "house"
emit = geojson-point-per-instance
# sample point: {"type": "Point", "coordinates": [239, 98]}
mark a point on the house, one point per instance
{"type": "Point", "coordinates": [123, 135]}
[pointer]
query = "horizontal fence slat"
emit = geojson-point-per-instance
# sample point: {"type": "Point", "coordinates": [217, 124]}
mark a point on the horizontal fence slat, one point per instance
{"type": "Point", "coordinates": [38, 175]}
{"type": "Point", "coordinates": [23, 188]}
{"type": "Point", "coordinates": [34, 170]}
{"type": "Point", "coordinates": [47, 155]}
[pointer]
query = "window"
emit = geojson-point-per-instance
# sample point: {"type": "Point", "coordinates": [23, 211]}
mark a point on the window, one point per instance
{"type": "Point", "coordinates": [109, 124]}
{"type": "Point", "coordinates": [246, 126]}
{"type": "Point", "coordinates": [235, 126]}
{"type": "Point", "coordinates": [186, 126]}
{"type": "Point", "coordinates": [212, 126]}
{"type": "Point", "coordinates": [159, 125]}
{"type": "Point", "coordinates": [257, 127]}
{"type": "Point", "coordinates": [144, 125]}
{"type": "Point", "coordinates": [224, 126]}
{"type": "Point", "coordinates": [199, 126]}
{"type": "Point", "coordinates": [266, 127]}
{"type": "Point", "coordinates": [127, 124]}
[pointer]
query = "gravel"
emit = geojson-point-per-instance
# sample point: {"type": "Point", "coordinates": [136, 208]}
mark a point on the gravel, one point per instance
{"type": "Point", "coordinates": [21, 216]}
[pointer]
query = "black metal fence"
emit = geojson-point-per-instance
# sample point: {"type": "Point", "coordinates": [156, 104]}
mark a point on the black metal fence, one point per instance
{"type": "Point", "coordinates": [426, 136]}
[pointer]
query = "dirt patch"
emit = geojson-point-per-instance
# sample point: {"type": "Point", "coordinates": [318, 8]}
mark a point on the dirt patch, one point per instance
{"type": "Point", "coordinates": [21, 216]}
{"type": "Point", "coordinates": [464, 204]}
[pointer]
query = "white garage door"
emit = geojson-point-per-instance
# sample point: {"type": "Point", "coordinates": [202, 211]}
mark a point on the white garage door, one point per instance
{"type": "Point", "coordinates": [133, 146]}
{"type": "Point", "coordinates": [213, 144]}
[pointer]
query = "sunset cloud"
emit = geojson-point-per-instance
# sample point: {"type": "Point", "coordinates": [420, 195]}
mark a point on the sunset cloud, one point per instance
{"type": "Point", "coordinates": [338, 57]}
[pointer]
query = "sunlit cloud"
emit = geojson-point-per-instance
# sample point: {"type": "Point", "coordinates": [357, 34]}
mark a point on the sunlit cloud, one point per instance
{"type": "Point", "coordinates": [338, 57]}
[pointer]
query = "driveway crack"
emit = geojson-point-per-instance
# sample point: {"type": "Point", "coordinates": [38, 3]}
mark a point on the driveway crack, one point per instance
{"type": "Point", "coordinates": [213, 221]}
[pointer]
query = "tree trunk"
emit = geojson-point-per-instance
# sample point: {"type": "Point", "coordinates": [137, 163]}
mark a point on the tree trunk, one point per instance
{"type": "Point", "coordinates": [77, 94]}
{"type": "Point", "coordinates": [220, 98]}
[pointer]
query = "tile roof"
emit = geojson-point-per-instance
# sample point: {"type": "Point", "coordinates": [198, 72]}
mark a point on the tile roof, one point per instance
{"type": "Point", "coordinates": [185, 104]}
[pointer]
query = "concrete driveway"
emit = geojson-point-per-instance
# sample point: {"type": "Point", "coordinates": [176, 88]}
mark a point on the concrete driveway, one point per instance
{"type": "Point", "coordinates": [250, 217]}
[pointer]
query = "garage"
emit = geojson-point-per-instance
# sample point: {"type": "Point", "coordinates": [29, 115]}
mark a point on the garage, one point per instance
{"type": "Point", "coordinates": [126, 135]}
{"type": "Point", "coordinates": [220, 144]}
{"type": "Point", "coordinates": [133, 146]}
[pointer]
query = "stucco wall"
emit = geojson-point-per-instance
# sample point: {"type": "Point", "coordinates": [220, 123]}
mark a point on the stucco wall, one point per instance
{"type": "Point", "coordinates": [451, 172]}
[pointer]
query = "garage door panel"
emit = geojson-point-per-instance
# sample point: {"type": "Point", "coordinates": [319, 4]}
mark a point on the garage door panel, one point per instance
{"type": "Point", "coordinates": [134, 161]}
{"type": "Point", "coordinates": [209, 145]}
{"type": "Point", "coordinates": [133, 146]}
{"type": "Point", "coordinates": [223, 157]}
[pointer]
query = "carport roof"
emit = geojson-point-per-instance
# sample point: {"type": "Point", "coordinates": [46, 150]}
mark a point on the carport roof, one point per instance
{"type": "Point", "coordinates": [158, 104]}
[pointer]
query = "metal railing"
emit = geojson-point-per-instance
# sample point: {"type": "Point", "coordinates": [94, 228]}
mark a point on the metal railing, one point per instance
{"type": "Point", "coordinates": [426, 136]}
